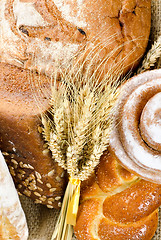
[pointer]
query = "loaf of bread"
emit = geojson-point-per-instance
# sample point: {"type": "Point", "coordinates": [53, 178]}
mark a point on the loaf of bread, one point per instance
{"type": "Point", "coordinates": [117, 204]}
{"type": "Point", "coordinates": [12, 219]}
{"type": "Point", "coordinates": [44, 35]}
{"type": "Point", "coordinates": [36, 174]}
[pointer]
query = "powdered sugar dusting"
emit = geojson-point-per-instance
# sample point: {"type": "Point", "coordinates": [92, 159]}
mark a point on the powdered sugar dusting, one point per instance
{"type": "Point", "coordinates": [65, 7]}
{"type": "Point", "coordinates": [151, 118]}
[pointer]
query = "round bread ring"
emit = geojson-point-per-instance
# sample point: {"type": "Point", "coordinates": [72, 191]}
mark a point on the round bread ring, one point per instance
{"type": "Point", "coordinates": [115, 204]}
{"type": "Point", "coordinates": [34, 171]}
{"type": "Point", "coordinates": [107, 36]}
{"type": "Point", "coordinates": [134, 139]}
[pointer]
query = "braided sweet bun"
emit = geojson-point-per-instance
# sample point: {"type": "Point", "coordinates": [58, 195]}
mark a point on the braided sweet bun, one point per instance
{"type": "Point", "coordinates": [42, 35]}
{"type": "Point", "coordinates": [117, 205]}
{"type": "Point", "coordinates": [135, 140]}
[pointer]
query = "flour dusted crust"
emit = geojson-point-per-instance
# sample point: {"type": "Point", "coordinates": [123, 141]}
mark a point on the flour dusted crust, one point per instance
{"type": "Point", "coordinates": [117, 205]}
{"type": "Point", "coordinates": [48, 34]}
{"type": "Point", "coordinates": [12, 219]}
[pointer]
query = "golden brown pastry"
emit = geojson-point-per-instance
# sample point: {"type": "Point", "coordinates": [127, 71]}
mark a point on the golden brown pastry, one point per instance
{"type": "Point", "coordinates": [45, 35]}
{"type": "Point", "coordinates": [12, 219]}
{"type": "Point", "coordinates": [135, 139]}
{"type": "Point", "coordinates": [117, 205]}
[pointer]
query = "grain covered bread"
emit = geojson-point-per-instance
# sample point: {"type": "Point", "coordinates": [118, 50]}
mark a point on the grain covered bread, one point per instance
{"type": "Point", "coordinates": [117, 205]}
{"type": "Point", "coordinates": [35, 173]}
{"type": "Point", "coordinates": [12, 219]}
{"type": "Point", "coordinates": [45, 35]}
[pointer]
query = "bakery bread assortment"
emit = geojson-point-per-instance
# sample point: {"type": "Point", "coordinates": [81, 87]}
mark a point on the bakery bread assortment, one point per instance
{"type": "Point", "coordinates": [44, 35]}
{"type": "Point", "coordinates": [33, 35]}
{"type": "Point", "coordinates": [117, 204]}
{"type": "Point", "coordinates": [39, 38]}
{"type": "Point", "coordinates": [12, 219]}
{"type": "Point", "coordinates": [135, 138]}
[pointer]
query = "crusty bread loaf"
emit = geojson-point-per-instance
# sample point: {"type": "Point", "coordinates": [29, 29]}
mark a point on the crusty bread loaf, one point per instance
{"type": "Point", "coordinates": [45, 35]}
{"type": "Point", "coordinates": [117, 205]}
{"type": "Point", "coordinates": [36, 174]}
{"type": "Point", "coordinates": [12, 219]}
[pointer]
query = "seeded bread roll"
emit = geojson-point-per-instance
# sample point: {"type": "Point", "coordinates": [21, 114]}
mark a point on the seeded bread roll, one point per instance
{"type": "Point", "coordinates": [42, 35]}
{"type": "Point", "coordinates": [35, 172]}
{"type": "Point", "coordinates": [12, 219]}
{"type": "Point", "coordinates": [117, 205]}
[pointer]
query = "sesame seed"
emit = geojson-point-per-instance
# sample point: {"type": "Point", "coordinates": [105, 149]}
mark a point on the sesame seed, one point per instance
{"type": "Point", "coordinates": [37, 194]}
{"type": "Point", "coordinates": [19, 186]}
{"type": "Point", "coordinates": [51, 199]}
{"type": "Point", "coordinates": [19, 193]}
{"type": "Point", "coordinates": [21, 164]}
{"type": "Point", "coordinates": [58, 179]}
{"type": "Point", "coordinates": [40, 189]}
{"type": "Point", "coordinates": [49, 202]}
{"type": "Point", "coordinates": [38, 201]}
{"type": "Point", "coordinates": [59, 204]}
{"type": "Point", "coordinates": [5, 153]}
{"type": "Point", "coordinates": [49, 206]}
{"type": "Point", "coordinates": [29, 166]}
{"type": "Point", "coordinates": [14, 161]}
{"type": "Point", "coordinates": [42, 199]}
{"type": "Point", "coordinates": [32, 176]}
{"type": "Point", "coordinates": [57, 198]}
{"type": "Point", "coordinates": [12, 155]}
{"type": "Point", "coordinates": [38, 175]}
{"type": "Point", "coordinates": [27, 193]}
{"type": "Point", "coordinates": [45, 152]}
{"type": "Point", "coordinates": [52, 189]}
{"type": "Point", "coordinates": [39, 181]}
{"type": "Point", "coordinates": [48, 185]}
{"type": "Point", "coordinates": [32, 187]}
{"type": "Point", "coordinates": [51, 173]}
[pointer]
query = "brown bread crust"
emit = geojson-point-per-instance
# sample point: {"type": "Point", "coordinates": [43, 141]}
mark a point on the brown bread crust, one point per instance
{"type": "Point", "coordinates": [21, 142]}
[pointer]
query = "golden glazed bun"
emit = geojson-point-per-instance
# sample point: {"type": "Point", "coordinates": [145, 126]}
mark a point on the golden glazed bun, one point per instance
{"type": "Point", "coordinates": [45, 35]}
{"type": "Point", "coordinates": [117, 205]}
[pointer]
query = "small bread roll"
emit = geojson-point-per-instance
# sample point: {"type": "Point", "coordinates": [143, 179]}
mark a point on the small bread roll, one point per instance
{"type": "Point", "coordinates": [12, 219]}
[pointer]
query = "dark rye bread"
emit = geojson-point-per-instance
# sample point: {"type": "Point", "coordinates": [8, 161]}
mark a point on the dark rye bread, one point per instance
{"type": "Point", "coordinates": [35, 173]}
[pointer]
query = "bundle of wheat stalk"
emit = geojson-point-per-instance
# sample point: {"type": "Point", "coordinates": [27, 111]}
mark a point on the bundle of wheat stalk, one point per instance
{"type": "Point", "coordinates": [76, 128]}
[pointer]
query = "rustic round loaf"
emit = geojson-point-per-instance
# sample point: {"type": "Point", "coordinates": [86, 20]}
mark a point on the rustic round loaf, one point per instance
{"type": "Point", "coordinates": [135, 138]}
{"type": "Point", "coordinates": [49, 34]}
{"type": "Point", "coordinates": [117, 205]}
